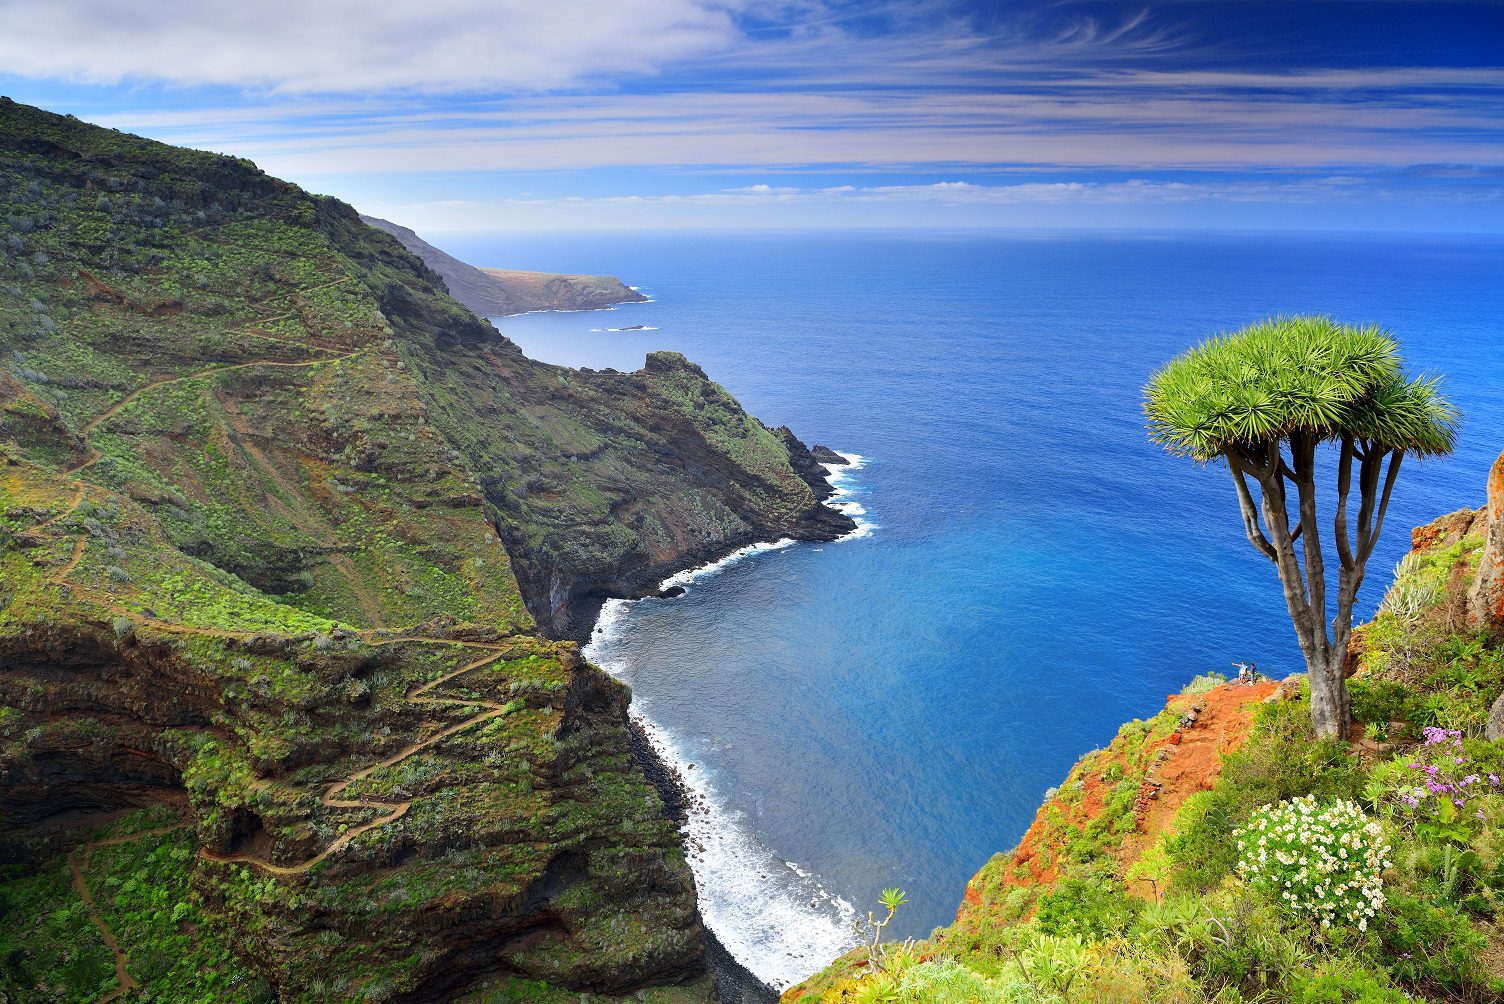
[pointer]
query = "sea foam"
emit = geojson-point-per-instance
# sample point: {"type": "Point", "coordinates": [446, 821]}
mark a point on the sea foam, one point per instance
{"type": "Point", "coordinates": [773, 915]}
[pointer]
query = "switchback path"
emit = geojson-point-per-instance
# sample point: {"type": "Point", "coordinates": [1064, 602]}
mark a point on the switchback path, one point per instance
{"type": "Point", "coordinates": [392, 811]}
{"type": "Point", "coordinates": [124, 982]}
{"type": "Point", "coordinates": [93, 455]}
{"type": "Point", "coordinates": [330, 797]}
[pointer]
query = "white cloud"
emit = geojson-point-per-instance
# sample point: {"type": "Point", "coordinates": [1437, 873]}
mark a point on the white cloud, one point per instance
{"type": "Point", "coordinates": [944, 203]}
{"type": "Point", "coordinates": [353, 45]}
{"type": "Point", "coordinates": [1329, 202]}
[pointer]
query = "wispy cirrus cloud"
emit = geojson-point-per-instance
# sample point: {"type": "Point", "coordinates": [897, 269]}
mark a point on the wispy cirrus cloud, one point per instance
{"type": "Point", "coordinates": [1117, 122]}
{"type": "Point", "coordinates": [1134, 201]}
{"type": "Point", "coordinates": [1097, 102]}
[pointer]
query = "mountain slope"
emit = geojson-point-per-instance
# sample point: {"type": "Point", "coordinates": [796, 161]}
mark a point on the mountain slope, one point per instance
{"type": "Point", "coordinates": [253, 460]}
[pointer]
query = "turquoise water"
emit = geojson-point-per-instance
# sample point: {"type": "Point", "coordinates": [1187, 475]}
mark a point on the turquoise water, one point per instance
{"type": "Point", "coordinates": [889, 710]}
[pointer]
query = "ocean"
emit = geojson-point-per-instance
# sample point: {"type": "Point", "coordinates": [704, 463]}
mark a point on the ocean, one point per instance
{"type": "Point", "coordinates": [888, 710]}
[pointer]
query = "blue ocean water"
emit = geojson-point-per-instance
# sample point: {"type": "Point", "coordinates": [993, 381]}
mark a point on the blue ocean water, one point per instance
{"type": "Point", "coordinates": [888, 710]}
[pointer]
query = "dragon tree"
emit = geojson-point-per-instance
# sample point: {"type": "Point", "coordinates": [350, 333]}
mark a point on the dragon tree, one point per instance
{"type": "Point", "coordinates": [1276, 401]}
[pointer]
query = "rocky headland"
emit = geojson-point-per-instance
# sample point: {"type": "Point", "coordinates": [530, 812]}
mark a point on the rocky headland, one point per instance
{"type": "Point", "coordinates": [294, 554]}
{"type": "Point", "coordinates": [499, 292]}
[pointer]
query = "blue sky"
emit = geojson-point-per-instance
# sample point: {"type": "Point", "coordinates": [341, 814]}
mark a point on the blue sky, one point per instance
{"type": "Point", "coordinates": [600, 114]}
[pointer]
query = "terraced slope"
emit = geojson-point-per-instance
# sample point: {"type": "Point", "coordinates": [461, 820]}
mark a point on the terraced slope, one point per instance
{"type": "Point", "coordinates": [253, 464]}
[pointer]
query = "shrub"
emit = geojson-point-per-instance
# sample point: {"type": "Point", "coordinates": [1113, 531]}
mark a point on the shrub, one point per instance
{"type": "Point", "coordinates": [1342, 985]}
{"type": "Point", "coordinates": [1204, 682]}
{"type": "Point", "coordinates": [1429, 945]}
{"type": "Point", "coordinates": [1323, 862]}
{"type": "Point", "coordinates": [1091, 908]}
{"type": "Point", "coordinates": [1376, 701]}
{"type": "Point", "coordinates": [123, 627]}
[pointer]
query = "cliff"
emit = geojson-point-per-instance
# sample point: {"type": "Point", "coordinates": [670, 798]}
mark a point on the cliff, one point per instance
{"type": "Point", "coordinates": [290, 543]}
{"type": "Point", "coordinates": [1128, 884]}
{"type": "Point", "coordinates": [497, 292]}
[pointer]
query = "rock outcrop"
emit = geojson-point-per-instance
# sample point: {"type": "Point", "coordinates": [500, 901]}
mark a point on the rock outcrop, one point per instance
{"type": "Point", "coordinates": [498, 292]}
{"type": "Point", "coordinates": [1486, 600]}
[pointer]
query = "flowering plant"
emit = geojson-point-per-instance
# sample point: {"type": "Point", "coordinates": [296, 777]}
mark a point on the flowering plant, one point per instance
{"type": "Point", "coordinates": [1323, 862]}
{"type": "Point", "coordinates": [1445, 791]}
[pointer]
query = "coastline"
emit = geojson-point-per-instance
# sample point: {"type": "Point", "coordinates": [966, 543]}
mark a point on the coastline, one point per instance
{"type": "Point", "coordinates": [580, 617]}
{"type": "Point", "coordinates": [734, 982]}
{"type": "Point", "coordinates": [683, 801]}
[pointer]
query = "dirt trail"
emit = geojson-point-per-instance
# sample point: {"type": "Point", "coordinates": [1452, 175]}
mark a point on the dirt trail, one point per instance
{"type": "Point", "coordinates": [125, 983]}
{"type": "Point", "coordinates": [369, 604]}
{"type": "Point", "coordinates": [252, 328]}
{"type": "Point", "coordinates": [93, 455]}
{"type": "Point", "coordinates": [287, 502]}
{"type": "Point", "coordinates": [78, 552]}
{"type": "Point", "coordinates": [330, 796]}
{"type": "Point", "coordinates": [115, 409]}
{"type": "Point", "coordinates": [1194, 760]}
{"type": "Point", "coordinates": [393, 811]}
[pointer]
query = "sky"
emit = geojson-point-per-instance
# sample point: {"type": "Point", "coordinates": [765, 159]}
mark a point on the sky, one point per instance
{"type": "Point", "coordinates": [525, 115]}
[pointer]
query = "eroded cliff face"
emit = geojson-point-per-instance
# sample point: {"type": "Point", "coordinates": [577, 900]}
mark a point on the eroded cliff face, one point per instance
{"type": "Point", "coordinates": [603, 483]}
{"type": "Point", "coordinates": [286, 537]}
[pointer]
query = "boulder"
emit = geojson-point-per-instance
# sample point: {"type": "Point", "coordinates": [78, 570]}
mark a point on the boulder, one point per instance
{"type": "Point", "coordinates": [1494, 730]}
{"type": "Point", "coordinates": [1486, 599]}
{"type": "Point", "coordinates": [1288, 689]}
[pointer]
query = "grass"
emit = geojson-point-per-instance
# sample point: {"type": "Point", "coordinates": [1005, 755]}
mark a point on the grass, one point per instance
{"type": "Point", "coordinates": [49, 949]}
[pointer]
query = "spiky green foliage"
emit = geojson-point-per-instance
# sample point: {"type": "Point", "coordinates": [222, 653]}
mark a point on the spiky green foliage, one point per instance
{"type": "Point", "coordinates": [1306, 374]}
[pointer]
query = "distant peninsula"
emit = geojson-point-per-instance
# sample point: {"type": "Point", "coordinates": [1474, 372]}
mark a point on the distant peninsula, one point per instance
{"type": "Point", "coordinates": [499, 292]}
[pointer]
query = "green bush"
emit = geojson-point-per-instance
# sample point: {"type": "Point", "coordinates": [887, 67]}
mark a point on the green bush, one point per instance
{"type": "Point", "coordinates": [1376, 701]}
{"type": "Point", "coordinates": [1325, 862]}
{"type": "Point", "coordinates": [1094, 908]}
{"type": "Point", "coordinates": [1337, 984]}
{"type": "Point", "coordinates": [1429, 946]}
{"type": "Point", "coordinates": [1204, 682]}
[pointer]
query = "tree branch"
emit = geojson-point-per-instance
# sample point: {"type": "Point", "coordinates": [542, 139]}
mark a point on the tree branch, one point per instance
{"type": "Point", "coordinates": [1344, 483]}
{"type": "Point", "coordinates": [1368, 484]}
{"type": "Point", "coordinates": [1395, 457]}
{"type": "Point", "coordinates": [1277, 519]}
{"type": "Point", "coordinates": [1250, 514]}
{"type": "Point", "coordinates": [1262, 470]}
{"type": "Point", "coordinates": [1303, 452]}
